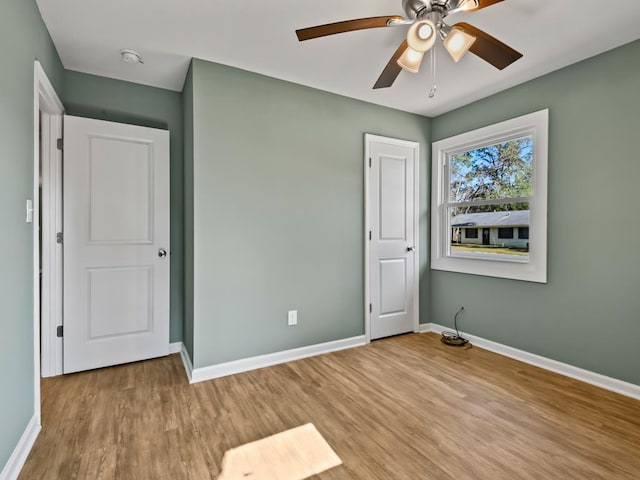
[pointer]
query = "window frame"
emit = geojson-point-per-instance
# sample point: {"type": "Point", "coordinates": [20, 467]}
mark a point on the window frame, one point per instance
{"type": "Point", "coordinates": [535, 269]}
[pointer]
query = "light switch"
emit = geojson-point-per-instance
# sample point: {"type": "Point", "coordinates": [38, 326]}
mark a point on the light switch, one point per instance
{"type": "Point", "coordinates": [29, 211]}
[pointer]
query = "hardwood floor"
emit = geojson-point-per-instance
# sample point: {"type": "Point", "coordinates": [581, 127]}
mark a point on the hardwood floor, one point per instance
{"type": "Point", "coordinates": [402, 408]}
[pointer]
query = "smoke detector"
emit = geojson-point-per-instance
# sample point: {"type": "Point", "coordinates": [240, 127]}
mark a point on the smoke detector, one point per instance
{"type": "Point", "coordinates": [131, 56]}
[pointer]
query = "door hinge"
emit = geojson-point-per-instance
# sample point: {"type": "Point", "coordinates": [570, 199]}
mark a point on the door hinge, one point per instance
{"type": "Point", "coordinates": [369, 235]}
{"type": "Point", "coordinates": [370, 308]}
{"type": "Point", "coordinates": [60, 331]}
{"type": "Point", "coordinates": [369, 162]}
{"type": "Point", "coordinates": [59, 238]}
{"type": "Point", "coordinates": [60, 144]}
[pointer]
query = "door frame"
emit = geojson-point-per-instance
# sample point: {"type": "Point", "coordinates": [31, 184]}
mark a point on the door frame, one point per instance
{"type": "Point", "coordinates": [47, 102]}
{"type": "Point", "coordinates": [368, 138]}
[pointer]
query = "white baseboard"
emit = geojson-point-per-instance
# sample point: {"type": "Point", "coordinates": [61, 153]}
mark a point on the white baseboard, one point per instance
{"type": "Point", "coordinates": [426, 328]}
{"type": "Point", "coordinates": [597, 379]}
{"type": "Point", "coordinates": [16, 461]}
{"type": "Point", "coordinates": [261, 361]}
{"type": "Point", "coordinates": [175, 347]}
{"type": "Point", "coordinates": [186, 361]}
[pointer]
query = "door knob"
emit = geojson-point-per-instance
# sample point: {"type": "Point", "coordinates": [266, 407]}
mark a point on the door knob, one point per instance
{"type": "Point", "coordinates": [162, 253]}
{"type": "Point", "coordinates": [410, 249]}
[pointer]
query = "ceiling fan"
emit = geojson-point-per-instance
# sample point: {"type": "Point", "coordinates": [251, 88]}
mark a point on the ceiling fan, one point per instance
{"type": "Point", "coordinates": [426, 18]}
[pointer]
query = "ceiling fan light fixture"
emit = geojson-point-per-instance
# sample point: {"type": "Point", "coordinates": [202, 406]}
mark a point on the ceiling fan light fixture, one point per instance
{"type": "Point", "coordinates": [422, 35]}
{"type": "Point", "coordinates": [410, 60]}
{"type": "Point", "coordinates": [457, 43]}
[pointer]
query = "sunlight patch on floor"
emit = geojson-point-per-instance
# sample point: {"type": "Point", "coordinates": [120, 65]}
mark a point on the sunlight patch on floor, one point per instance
{"type": "Point", "coordinates": [294, 454]}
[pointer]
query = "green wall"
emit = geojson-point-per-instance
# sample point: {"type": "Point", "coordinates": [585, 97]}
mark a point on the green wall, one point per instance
{"type": "Point", "coordinates": [588, 314]}
{"type": "Point", "coordinates": [278, 211]}
{"type": "Point", "coordinates": [23, 39]}
{"type": "Point", "coordinates": [117, 101]}
{"type": "Point", "coordinates": [187, 113]}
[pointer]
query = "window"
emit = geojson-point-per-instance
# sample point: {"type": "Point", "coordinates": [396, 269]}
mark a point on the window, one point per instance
{"type": "Point", "coordinates": [505, 232]}
{"type": "Point", "coordinates": [492, 179]}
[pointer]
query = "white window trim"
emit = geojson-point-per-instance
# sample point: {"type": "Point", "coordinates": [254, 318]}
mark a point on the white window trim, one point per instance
{"type": "Point", "coordinates": [536, 124]}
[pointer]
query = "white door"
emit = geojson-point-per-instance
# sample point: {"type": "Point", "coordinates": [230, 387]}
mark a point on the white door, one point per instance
{"type": "Point", "coordinates": [116, 243]}
{"type": "Point", "coordinates": [392, 196]}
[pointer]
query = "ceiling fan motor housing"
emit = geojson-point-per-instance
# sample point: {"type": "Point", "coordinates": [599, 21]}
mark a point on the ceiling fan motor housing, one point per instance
{"type": "Point", "coordinates": [417, 9]}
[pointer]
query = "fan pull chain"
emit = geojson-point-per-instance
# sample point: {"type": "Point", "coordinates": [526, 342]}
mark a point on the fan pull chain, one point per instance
{"type": "Point", "coordinates": [432, 92]}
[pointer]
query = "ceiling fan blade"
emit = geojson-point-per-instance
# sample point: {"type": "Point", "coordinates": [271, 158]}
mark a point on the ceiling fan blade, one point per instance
{"type": "Point", "coordinates": [484, 4]}
{"type": "Point", "coordinates": [392, 70]}
{"type": "Point", "coordinates": [346, 26]}
{"type": "Point", "coordinates": [489, 48]}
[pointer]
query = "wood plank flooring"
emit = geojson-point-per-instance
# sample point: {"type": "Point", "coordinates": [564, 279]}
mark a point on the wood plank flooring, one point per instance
{"type": "Point", "coordinates": [402, 408]}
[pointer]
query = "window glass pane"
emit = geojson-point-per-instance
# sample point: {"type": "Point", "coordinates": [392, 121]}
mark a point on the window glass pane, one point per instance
{"type": "Point", "coordinates": [505, 232]}
{"type": "Point", "coordinates": [503, 170]}
{"type": "Point", "coordinates": [490, 232]}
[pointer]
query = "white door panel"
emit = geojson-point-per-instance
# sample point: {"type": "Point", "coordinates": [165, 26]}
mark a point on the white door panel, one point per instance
{"type": "Point", "coordinates": [116, 221]}
{"type": "Point", "coordinates": [122, 214]}
{"type": "Point", "coordinates": [392, 200]}
{"type": "Point", "coordinates": [392, 245]}
{"type": "Point", "coordinates": [393, 286]}
{"type": "Point", "coordinates": [132, 313]}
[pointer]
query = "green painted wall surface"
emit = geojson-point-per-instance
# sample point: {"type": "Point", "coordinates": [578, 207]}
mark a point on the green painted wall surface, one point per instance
{"type": "Point", "coordinates": [588, 314]}
{"type": "Point", "coordinates": [187, 113]}
{"type": "Point", "coordinates": [23, 39]}
{"type": "Point", "coordinates": [117, 101]}
{"type": "Point", "coordinates": [278, 213]}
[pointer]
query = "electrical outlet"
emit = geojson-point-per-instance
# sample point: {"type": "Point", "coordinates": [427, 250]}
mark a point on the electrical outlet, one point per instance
{"type": "Point", "coordinates": [292, 317]}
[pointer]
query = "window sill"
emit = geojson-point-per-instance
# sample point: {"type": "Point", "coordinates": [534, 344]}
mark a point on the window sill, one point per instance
{"type": "Point", "coordinates": [510, 269]}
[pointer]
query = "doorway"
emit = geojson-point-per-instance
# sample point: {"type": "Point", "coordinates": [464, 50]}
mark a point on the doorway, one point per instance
{"type": "Point", "coordinates": [141, 220]}
{"type": "Point", "coordinates": [486, 236]}
{"type": "Point", "coordinates": [391, 236]}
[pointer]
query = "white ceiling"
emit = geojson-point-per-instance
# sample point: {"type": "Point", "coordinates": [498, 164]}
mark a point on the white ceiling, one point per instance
{"type": "Point", "coordinates": [260, 36]}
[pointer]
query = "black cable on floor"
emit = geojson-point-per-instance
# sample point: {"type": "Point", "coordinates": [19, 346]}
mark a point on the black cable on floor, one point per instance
{"type": "Point", "coordinates": [454, 339]}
